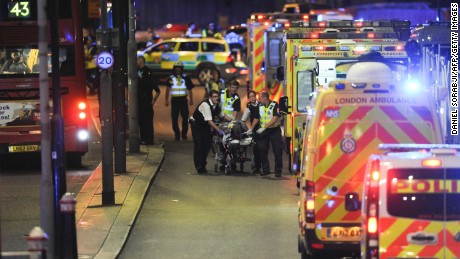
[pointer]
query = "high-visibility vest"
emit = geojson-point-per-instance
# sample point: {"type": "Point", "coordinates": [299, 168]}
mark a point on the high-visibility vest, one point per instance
{"type": "Point", "coordinates": [227, 102]}
{"type": "Point", "coordinates": [215, 85]}
{"type": "Point", "coordinates": [89, 63]}
{"type": "Point", "coordinates": [178, 87]}
{"type": "Point", "coordinates": [266, 114]}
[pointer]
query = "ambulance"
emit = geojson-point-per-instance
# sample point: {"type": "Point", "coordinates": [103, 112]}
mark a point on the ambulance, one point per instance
{"type": "Point", "coordinates": [344, 126]}
{"type": "Point", "coordinates": [264, 50]}
{"type": "Point", "coordinates": [317, 52]}
{"type": "Point", "coordinates": [411, 203]}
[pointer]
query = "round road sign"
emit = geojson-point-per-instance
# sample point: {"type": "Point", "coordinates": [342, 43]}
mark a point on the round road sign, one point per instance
{"type": "Point", "coordinates": [105, 60]}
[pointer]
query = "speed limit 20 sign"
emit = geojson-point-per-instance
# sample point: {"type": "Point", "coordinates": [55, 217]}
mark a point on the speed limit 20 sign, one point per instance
{"type": "Point", "coordinates": [104, 60]}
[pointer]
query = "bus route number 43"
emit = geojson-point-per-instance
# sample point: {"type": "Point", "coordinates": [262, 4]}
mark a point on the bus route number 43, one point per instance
{"type": "Point", "coordinates": [104, 60]}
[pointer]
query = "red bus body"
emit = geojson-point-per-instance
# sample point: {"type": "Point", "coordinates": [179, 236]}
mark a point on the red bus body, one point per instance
{"type": "Point", "coordinates": [20, 129]}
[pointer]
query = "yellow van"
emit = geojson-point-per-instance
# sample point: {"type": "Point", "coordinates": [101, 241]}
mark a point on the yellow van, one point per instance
{"type": "Point", "coordinates": [411, 203]}
{"type": "Point", "coordinates": [348, 122]}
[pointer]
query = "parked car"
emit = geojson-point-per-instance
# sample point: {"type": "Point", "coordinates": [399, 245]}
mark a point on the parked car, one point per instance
{"type": "Point", "coordinates": [199, 55]}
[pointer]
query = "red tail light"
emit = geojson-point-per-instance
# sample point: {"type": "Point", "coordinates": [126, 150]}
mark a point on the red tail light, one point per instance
{"type": "Point", "coordinates": [305, 17]}
{"type": "Point", "coordinates": [372, 225]}
{"type": "Point", "coordinates": [82, 110]}
{"type": "Point", "coordinates": [309, 205]}
{"type": "Point", "coordinates": [230, 58]}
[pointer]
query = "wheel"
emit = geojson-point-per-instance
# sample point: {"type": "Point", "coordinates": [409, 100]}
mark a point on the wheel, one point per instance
{"type": "Point", "coordinates": [204, 74]}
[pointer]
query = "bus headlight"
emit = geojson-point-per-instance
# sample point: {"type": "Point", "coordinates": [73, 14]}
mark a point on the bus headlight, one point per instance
{"type": "Point", "coordinates": [82, 135]}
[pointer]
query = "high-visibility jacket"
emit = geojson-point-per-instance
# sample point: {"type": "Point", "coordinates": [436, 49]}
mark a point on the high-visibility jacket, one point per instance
{"type": "Point", "coordinates": [89, 59]}
{"type": "Point", "coordinates": [227, 102]}
{"type": "Point", "coordinates": [178, 87]}
{"type": "Point", "coordinates": [266, 114]}
{"type": "Point", "coordinates": [216, 85]}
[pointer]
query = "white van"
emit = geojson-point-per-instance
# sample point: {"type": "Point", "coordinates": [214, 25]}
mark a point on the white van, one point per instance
{"type": "Point", "coordinates": [410, 205]}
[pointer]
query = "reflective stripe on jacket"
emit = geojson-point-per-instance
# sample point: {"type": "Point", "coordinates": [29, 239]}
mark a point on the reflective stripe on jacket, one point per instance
{"type": "Point", "coordinates": [227, 102]}
{"type": "Point", "coordinates": [178, 88]}
{"type": "Point", "coordinates": [266, 113]}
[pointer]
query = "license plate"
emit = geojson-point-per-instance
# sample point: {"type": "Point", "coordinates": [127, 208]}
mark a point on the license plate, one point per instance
{"type": "Point", "coordinates": [349, 233]}
{"type": "Point", "coordinates": [23, 148]}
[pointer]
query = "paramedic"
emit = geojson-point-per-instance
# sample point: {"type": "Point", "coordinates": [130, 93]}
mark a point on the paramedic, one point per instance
{"type": "Point", "coordinates": [202, 124]}
{"type": "Point", "coordinates": [270, 133]}
{"type": "Point", "coordinates": [252, 112]}
{"type": "Point", "coordinates": [216, 82]}
{"type": "Point", "coordinates": [179, 85]}
{"type": "Point", "coordinates": [230, 101]}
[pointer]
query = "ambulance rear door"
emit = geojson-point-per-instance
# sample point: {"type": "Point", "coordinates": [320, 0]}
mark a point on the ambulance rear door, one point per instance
{"type": "Point", "coordinates": [421, 215]}
{"type": "Point", "coordinates": [273, 59]}
{"type": "Point", "coordinates": [300, 85]}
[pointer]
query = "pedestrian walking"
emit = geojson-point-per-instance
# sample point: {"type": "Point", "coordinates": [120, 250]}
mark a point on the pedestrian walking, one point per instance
{"type": "Point", "coordinates": [146, 100]}
{"type": "Point", "coordinates": [251, 112]}
{"type": "Point", "coordinates": [202, 125]}
{"type": "Point", "coordinates": [270, 133]}
{"type": "Point", "coordinates": [179, 87]}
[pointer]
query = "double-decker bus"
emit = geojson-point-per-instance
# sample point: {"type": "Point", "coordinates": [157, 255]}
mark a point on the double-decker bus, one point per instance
{"type": "Point", "coordinates": [20, 129]}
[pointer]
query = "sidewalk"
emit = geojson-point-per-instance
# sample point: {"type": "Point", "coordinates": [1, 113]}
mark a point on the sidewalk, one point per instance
{"type": "Point", "coordinates": [103, 230]}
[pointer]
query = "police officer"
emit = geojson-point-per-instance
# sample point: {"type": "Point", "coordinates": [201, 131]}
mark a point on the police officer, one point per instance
{"type": "Point", "coordinates": [178, 86]}
{"type": "Point", "coordinates": [202, 125]}
{"type": "Point", "coordinates": [230, 101]}
{"type": "Point", "coordinates": [270, 132]}
{"type": "Point", "coordinates": [146, 86]}
{"type": "Point", "coordinates": [252, 112]}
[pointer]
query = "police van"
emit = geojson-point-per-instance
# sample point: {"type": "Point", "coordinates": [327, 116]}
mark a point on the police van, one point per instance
{"type": "Point", "coordinates": [411, 203]}
{"type": "Point", "coordinates": [349, 120]}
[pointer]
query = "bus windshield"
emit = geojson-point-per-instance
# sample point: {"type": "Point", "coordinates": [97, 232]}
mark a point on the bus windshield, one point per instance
{"type": "Point", "coordinates": [23, 61]}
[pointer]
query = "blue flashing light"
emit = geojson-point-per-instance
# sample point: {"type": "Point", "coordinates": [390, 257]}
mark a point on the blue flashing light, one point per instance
{"type": "Point", "coordinates": [412, 86]}
{"type": "Point", "coordinates": [375, 85]}
{"type": "Point", "coordinates": [340, 86]}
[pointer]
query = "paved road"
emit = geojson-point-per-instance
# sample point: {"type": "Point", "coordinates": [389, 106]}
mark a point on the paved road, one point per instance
{"type": "Point", "coordinates": [187, 215]}
{"type": "Point", "coordinates": [20, 177]}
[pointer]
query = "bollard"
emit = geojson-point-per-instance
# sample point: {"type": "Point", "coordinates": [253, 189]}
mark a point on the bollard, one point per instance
{"type": "Point", "coordinates": [68, 202]}
{"type": "Point", "coordinates": [36, 240]}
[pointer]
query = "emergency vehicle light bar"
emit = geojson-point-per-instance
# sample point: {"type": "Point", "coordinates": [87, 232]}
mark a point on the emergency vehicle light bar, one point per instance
{"type": "Point", "coordinates": [341, 35]}
{"type": "Point", "coordinates": [418, 147]}
{"type": "Point", "coordinates": [278, 15]}
{"type": "Point", "coordinates": [350, 23]}
{"type": "Point", "coordinates": [343, 85]}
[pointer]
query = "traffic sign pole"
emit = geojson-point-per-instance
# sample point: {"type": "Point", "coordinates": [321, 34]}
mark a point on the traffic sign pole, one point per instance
{"type": "Point", "coordinates": [108, 194]}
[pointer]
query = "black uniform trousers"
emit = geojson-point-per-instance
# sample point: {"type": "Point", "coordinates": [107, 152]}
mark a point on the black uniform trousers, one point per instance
{"type": "Point", "coordinates": [179, 105]}
{"type": "Point", "coordinates": [146, 122]}
{"type": "Point", "coordinates": [202, 140]}
{"type": "Point", "coordinates": [271, 136]}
